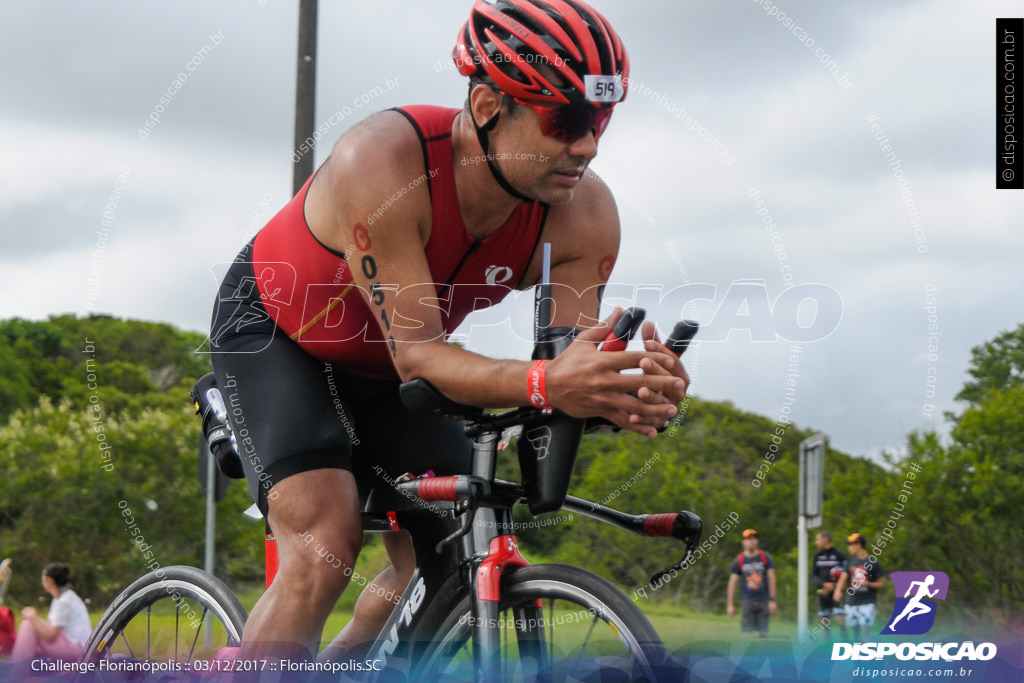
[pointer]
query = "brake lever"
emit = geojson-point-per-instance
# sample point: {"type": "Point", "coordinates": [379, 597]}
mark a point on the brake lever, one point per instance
{"type": "Point", "coordinates": [467, 505]}
{"type": "Point", "coordinates": [465, 526]}
{"type": "Point", "coordinates": [681, 565]}
{"type": "Point", "coordinates": [689, 530]}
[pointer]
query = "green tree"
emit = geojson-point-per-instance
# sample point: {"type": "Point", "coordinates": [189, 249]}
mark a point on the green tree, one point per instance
{"type": "Point", "coordinates": [966, 507]}
{"type": "Point", "coordinates": [16, 389]}
{"type": "Point", "coordinates": [996, 364]}
{"type": "Point", "coordinates": [63, 499]}
{"type": "Point", "coordinates": [152, 362]}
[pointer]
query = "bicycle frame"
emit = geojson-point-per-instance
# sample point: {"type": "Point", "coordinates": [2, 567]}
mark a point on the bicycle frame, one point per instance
{"type": "Point", "coordinates": [471, 556]}
{"type": "Point", "coordinates": [456, 558]}
{"type": "Point", "coordinates": [449, 563]}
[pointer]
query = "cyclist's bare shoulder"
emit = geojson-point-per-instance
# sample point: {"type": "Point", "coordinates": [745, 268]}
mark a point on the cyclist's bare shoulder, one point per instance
{"type": "Point", "coordinates": [378, 159]}
{"type": "Point", "coordinates": [383, 142]}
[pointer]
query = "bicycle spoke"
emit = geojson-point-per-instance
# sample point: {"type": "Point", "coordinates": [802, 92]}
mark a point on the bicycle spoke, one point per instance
{"type": "Point", "coordinates": [198, 629]}
{"type": "Point", "coordinates": [131, 652]}
{"type": "Point", "coordinates": [586, 640]}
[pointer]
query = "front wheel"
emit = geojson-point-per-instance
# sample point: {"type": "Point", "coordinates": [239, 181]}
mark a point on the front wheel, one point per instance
{"type": "Point", "coordinates": [160, 618]}
{"type": "Point", "coordinates": [556, 623]}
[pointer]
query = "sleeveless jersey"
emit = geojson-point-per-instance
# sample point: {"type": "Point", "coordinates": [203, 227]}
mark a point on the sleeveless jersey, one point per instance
{"type": "Point", "coordinates": [307, 288]}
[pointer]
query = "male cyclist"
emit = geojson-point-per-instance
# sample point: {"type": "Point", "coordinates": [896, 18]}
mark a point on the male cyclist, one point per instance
{"type": "Point", "coordinates": [420, 216]}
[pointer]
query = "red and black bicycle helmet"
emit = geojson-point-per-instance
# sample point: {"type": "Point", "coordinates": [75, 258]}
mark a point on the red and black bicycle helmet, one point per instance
{"type": "Point", "coordinates": [505, 41]}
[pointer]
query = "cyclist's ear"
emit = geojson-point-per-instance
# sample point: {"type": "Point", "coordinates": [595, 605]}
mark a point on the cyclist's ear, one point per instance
{"type": "Point", "coordinates": [598, 332]}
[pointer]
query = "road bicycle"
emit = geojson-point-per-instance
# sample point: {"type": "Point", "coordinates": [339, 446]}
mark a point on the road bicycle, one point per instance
{"type": "Point", "coordinates": [474, 609]}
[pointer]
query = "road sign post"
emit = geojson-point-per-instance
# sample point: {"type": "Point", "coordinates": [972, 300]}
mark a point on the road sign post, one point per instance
{"type": "Point", "coordinates": [812, 475]}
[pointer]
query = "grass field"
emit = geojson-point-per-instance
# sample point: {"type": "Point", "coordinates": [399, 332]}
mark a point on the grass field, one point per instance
{"type": "Point", "coordinates": [682, 631]}
{"type": "Point", "coordinates": [677, 628]}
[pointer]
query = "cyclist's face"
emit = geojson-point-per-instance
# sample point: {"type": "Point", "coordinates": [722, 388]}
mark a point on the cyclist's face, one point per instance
{"type": "Point", "coordinates": [541, 167]}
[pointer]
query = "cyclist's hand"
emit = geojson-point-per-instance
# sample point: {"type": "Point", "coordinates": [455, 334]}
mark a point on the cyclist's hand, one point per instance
{"type": "Point", "coordinates": [585, 382]}
{"type": "Point", "coordinates": [668, 365]}
{"type": "Point", "coordinates": [730, 610]}
{"type": "Point", "coordinates": [773, 607]}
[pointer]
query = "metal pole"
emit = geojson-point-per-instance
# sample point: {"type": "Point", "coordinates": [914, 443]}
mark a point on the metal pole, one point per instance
{"type": "Point", "coordinates": [211, 525]}
{"type": "Point", "coordinates": [305, 95]}
{"type": "Point", "coordinates": [801, 581]}
{"type": "Point", "coordinates": [809, 515]}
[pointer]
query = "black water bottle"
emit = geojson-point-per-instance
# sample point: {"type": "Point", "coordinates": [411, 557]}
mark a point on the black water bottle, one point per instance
{"type": "Point", "coordinates": [210, 407]}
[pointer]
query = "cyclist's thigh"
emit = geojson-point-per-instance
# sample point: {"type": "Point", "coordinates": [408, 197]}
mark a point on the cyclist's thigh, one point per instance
{"type": "Point", "coordinates": [281, 409]}
{"type": "Point", "coordinates": [316, 518]}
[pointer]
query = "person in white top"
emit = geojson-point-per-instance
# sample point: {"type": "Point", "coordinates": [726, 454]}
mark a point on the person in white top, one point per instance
{"type": "Point", "coordinates": [63, 635]}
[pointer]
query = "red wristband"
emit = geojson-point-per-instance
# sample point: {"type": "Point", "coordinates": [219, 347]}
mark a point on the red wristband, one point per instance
{"type": "Point", "coordinates": [536, 388]}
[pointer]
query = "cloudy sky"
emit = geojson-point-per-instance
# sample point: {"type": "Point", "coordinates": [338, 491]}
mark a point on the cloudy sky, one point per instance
{"type": "Point", "coordinates": [81, 79]}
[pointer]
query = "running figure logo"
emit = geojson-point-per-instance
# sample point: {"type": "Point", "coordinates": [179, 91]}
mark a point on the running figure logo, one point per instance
{"type": "Point", "coordinates": [914, 613]}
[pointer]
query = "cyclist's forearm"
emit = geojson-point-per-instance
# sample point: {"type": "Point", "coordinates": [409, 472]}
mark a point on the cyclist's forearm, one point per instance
{"type": "Point", "coordinates": [464, 376]}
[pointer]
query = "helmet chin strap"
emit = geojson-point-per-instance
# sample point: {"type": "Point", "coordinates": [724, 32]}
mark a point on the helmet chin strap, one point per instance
{"type": "Point", "coordinates": [481, 136]}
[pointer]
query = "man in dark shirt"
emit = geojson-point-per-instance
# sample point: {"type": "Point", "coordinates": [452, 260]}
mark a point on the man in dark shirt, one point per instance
{"type": "Point", "coordinates": [825, 571]}
{"type": "Point", "coordinates": [864, 577]}
{"type": "Point", "coordinates": [758, 595]}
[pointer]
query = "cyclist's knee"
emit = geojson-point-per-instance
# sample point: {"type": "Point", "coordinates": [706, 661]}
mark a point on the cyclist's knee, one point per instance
{"type": "Point", "coordinates": [325, 546]}
{"type": "Point", "coordinates": [320, 566]}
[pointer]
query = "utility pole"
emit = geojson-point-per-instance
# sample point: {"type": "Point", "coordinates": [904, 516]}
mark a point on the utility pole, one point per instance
{"type": "Point", "coordinates": [305, 95]}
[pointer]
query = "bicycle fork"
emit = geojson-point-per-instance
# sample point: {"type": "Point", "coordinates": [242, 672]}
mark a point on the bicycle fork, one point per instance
{"type": "Point", "coordinates": [494, 551]}
{"type": "Point", "coordinates": [501, 555]}
{"type": "Point", "coordinates": [487, 550]}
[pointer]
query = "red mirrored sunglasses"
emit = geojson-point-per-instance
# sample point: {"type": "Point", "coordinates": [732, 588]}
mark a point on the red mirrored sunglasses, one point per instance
{"type": "Point", "coordinates": [570, 122]}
